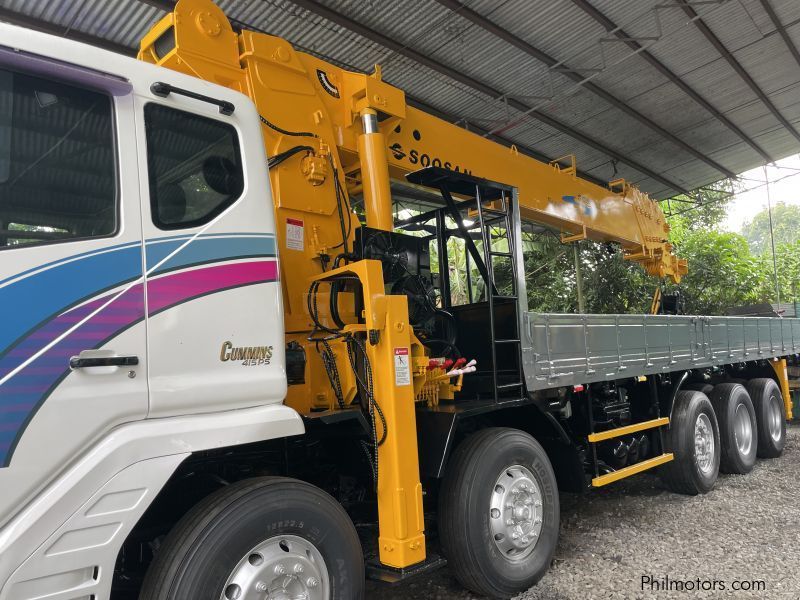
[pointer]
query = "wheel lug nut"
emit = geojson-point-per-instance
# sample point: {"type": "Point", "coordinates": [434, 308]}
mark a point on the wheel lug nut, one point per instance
{"type": "Point", "coordinates": [261, 586]}
{"type": "Point", "coordinates": [279, 569]}
{"type": "Point", "coordinates": [298, 568]}
{"type": "Point", "coordinates": [311, 582]}
{"type": "Point", "coordinates": [509, 521]}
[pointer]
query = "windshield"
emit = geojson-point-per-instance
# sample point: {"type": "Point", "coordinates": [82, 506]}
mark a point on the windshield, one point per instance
{"type": "Point", "coordinates": [57, 165]}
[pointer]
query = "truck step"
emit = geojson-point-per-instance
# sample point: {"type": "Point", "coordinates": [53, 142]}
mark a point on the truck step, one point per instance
{"type": "Point", "coordinates": [645, 465]}
{"type": "Point", "coordinates": [508, 386]}
{"type": "Point", "coordinates": [620, 431]}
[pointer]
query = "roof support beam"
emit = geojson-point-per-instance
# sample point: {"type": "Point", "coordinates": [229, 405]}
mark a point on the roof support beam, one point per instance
{"type": "Point", "coordinates": [165, 5]}
{"type": "Point", "coordinates": [364, 31]}
{"type": "Point", "coordinates": [459, 8]}
{"type": "Point", "coordinates": [14, 18]}
{"type": "Point", "coordinates": [612, 28]}
{"type": "Point", "coordinates": [731, 59]}
{"type": "Point", "coordinates": [781, 29]}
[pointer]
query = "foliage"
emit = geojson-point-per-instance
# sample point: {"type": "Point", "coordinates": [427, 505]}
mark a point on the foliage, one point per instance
{"type": "Point", "coordinates": [549, 273]}
{"type": "Point", "coordinates": [785, 225]}
{"type": "Point", "coordinates": [722, 272]}
{"type": "Point", "coordinates": [704, 211]}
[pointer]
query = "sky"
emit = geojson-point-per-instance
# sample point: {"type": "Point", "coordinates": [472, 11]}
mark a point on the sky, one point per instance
{"type": "Point", "coordinates": [784, 186]}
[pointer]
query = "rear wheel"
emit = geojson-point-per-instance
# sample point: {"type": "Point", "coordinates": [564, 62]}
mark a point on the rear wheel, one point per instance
{"type": "Point", "coordinates": [693, 438]}
{"type": "Point", "coordinates": [770, 416]}
{"type": "Point", "coordinates": [499, 512]}
{"type": "Point", "coordinates": [700, 386]}
{"type": "Point", "coordinates": [737, 426]}
{"type": "Point", "coordinates": [261, 538]}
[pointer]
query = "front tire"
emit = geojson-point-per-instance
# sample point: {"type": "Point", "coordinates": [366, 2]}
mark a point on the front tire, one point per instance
{"type": "Point", "coordinates": [738, 428]}
{"type": "Point", "coordinates": [693, 438]}
{"type": "Point", "coordinates": [499, 512]}
{"type": "Point", "coordinates": [257, 535]}
{"type": "Point", "coordinates": [770, 416]}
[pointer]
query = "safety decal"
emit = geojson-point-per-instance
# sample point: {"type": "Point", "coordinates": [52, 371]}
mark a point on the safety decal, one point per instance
{"type": "Point", "coordinates": [402, 370]}
{"type": "Point", "coordinates": [295, 237]}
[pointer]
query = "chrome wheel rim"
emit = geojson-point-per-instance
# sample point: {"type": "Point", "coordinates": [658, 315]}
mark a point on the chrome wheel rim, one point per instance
{"type": "Point", "coordinates": [704, 444]}
{"type": "Point", "coordinates": [285, 567]}
{"type": "Point", "coordinates": [775, 418]}
{"type": "Point", "coordinates": [515, 512]}
{"type": "Point", "coordinates": [743, 429]}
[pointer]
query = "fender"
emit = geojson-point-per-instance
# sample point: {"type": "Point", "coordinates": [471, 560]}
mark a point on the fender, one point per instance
{"type": "Point", "coordinates": [69, 536]}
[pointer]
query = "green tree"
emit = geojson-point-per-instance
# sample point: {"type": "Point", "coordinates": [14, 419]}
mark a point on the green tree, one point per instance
{"type": "Point", "coordinates": [612, 284]}
{"type": "Point", "coordinates": [786, 227]}
{"type": "Point", "coordinates": [788, 265]}
{"type": "Point", "coordinates": [549, 273]}
{"type": "Point", "coordinates": [706, 209]}
{"type": "Point", "coordinates": [722, 272]}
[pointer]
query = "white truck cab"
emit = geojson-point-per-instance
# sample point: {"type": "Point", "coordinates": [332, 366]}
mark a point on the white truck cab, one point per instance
{"type": "Point", "coordinates": [142, 316]}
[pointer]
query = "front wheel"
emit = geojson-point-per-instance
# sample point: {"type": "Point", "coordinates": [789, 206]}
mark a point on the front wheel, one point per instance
{"type": "Point", "coordinates": [260, 538]}
{"type": "Point", "coordinates": [499, 512]}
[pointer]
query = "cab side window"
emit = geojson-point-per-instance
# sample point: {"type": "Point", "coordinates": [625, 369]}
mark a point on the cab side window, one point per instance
{"type": "Point", "coordinates": [194, 164]}
{"type": "Point", "coordinates": [58, 179]}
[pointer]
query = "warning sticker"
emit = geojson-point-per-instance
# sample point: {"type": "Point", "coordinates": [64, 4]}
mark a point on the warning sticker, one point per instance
{"type": "Point", "coordinates": [402, 370]}
{"type": "Point", "coordinates": [295, 237]}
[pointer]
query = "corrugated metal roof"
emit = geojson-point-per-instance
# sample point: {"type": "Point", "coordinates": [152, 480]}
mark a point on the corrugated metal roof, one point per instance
{"type": "Point", "coordinates": [564, 31]}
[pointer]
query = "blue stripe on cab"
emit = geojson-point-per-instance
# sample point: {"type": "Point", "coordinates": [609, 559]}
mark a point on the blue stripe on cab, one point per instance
{"type": "Point", "coordinates": [204, 250]}
{"type": "Point", "coordinates": [38, 297]}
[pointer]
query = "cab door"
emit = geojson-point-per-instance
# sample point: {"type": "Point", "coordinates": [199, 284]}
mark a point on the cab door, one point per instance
{"type": "Point", "coordinates": [215, 320]}
{"type": "Point", "coordinates": [72, 337]}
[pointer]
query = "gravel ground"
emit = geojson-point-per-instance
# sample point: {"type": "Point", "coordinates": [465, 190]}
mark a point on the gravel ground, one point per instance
{"type": "Point", "coordinates": [746, 529]}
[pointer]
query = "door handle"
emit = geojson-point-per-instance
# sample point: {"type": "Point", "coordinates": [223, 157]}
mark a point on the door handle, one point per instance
{"type": "Point", "coordinates": [77, 362]}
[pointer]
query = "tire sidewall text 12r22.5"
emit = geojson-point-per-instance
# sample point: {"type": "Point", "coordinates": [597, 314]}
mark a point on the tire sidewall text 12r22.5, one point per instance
{"type": "Point", "coordinates": [257, 535]}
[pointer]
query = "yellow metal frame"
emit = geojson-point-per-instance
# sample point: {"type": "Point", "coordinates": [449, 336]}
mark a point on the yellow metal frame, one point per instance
{"type": "Point", "coordinates": [645, 465]}
{"type": "Point", "coordinates": [620, 431]}
{"type": "Point", "coordinates": [782, 373]}
{"type": "Point", "coordinates": [400, 513]}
